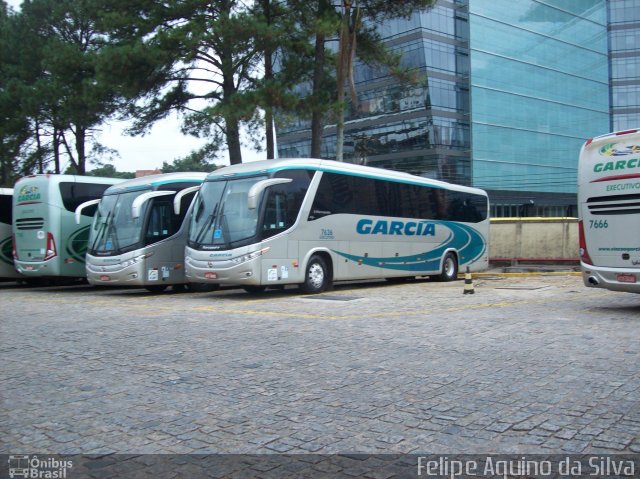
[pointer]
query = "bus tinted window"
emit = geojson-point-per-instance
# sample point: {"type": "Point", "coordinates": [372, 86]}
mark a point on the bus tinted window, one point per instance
{"type": "Point", "coordinates": [74, 194]}
{"type": "Point", "coordinates": [5, 209]}
{"type": "Point", "coordinates": [283, 201]}
{"type": "Point", "coordinates": [372, 197]}
{"type": "Point", "coordinates": [162, 221]}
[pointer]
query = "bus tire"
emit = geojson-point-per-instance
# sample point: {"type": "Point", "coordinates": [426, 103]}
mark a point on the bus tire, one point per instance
{"type": "Point", "coordinates": [449, 268]}
{"type": "Point", "coordinates": [317, 277]}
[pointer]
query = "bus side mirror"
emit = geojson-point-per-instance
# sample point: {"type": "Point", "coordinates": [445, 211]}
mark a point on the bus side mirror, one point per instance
{"type": "Point", "coordinates": [256, 190]}
{"type": "Point", "coordinates": [82, 206]}
{"type": "Point", "coordinates": [136, 206]}
{"type": "Point", "coordinates": [180, 195]}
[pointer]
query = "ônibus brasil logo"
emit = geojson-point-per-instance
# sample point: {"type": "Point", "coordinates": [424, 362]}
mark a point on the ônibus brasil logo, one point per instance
{"type": "Point", "coordinates": [38, 468]}
{"type": "Point", "coordinates": [28, 193]}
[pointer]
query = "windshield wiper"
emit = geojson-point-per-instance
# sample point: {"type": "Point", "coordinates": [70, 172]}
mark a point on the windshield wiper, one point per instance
{"type": "Point", "coordinates": [101, 231]}
{"type": "Point", "coordinates": [207, 224]}
{"type": "Point", "coordinates": [114, 237]}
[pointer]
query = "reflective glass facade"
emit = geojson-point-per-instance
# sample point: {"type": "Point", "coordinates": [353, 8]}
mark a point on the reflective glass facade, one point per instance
{"type": "Point", "coordinates": [423, 128]}
{"type": "Point", "coordinates": [539, 89]}
{"type": "Point", "coordinates": [624, 45]}
{"type": "Point", "coordinates": [509, 92]}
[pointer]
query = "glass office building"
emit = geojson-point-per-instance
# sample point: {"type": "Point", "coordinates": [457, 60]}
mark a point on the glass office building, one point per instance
{"type": "Point", "coordinates": [624, 55]}
{"type": "Point", "coordinates": [508, 93]}
{"type": "Point", "coordinates": [422, 128]}
{"type": "Point", "coordinates": [539, 88]}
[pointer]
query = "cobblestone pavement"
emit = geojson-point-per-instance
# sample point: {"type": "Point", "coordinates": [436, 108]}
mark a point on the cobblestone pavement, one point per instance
{"type": "Point", "coordinates": [525, 365]}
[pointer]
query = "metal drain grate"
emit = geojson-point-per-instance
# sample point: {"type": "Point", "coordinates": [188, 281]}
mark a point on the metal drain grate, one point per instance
{"type": "Point", "coordinates": [329, 297]}
{"type": "Point", "coordinates": [524, 288]}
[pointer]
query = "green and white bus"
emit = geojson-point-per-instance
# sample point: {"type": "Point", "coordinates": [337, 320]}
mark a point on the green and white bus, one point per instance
{"type": "Point", "coordinates": [311, 222]}
{"type": "Point", "coordinates": [47, 240]}
{"type": "Point", "coordinates": [609, 211]}
{"type": "Point", "coordinates": [139, 232]}
{"type": "Point", "coordinates": [7, 269]}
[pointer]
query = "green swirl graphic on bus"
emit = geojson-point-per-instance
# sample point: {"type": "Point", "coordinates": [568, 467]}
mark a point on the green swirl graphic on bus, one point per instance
{"type": "Point", "coordinates": [78, 243]}
{"type": "Point", "coordinates": [611, 149]}
{"type": "Point", "coordinates": [469, 244]}
{"type": "Point", "coordinates": [6, 251]}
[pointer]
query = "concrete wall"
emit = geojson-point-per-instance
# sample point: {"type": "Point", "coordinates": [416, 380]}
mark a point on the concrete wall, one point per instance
{"type": "Point", "coordinates": [534, 239]}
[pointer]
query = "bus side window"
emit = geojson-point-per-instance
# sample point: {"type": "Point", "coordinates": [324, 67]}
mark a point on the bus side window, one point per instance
{"type": "Point", "coordinates": [74, 194]}
{"type": "Point", "coordinates": [283, 202]}
{"type": "Point", "coordinates": [161, 222]}
{"type": "Point", "coordinates": [275, 214]}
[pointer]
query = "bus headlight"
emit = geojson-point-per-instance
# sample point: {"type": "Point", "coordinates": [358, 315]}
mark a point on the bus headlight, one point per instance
{"type": "Point", "coordinates": [137, 259]}
{"type": "Point", "coordinates": [248, 257]}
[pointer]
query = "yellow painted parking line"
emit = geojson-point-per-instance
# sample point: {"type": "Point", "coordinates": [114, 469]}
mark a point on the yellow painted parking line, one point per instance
{"type": "Point", "coordinates": [215, 309]}
{"type": "Point", "coordinates": [523, 274]}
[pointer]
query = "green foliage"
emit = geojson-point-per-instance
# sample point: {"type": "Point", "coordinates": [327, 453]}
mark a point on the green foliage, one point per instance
{"type": "Point", "coordinates": [67, 66]}
{"type": "Point", "coordinates": [196, 161]}
{"type": "Point", "coordinates": [200, 58]}
{"type": "Point", "coordinates": [14, 127]}
{"type": "Point", "coordinates": [109, 171]}
{"type": "Point", "coordinates": [62, 97]}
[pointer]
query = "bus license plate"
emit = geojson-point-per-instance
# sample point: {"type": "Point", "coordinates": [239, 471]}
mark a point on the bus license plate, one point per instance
{"type": "Point", "coordinates": [104, 277]}
{"type": "Point", "coordinates": [211, 275]}
{"type": "Point", "coordinates": [627, 278]}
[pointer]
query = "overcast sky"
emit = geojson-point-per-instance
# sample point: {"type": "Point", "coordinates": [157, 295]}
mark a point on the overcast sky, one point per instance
{"type": "Point", "coordinates": [164, 143]}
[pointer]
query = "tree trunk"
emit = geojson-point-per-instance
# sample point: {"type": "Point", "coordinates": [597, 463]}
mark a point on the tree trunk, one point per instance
{"type": "Point", "coordinates": [39, 153]}
{"type": "Point", "coordinates": [56, 149]}
{"type": "Point", "coordinates": [81, 135]}
{"type": "Point", "coordinates": [268, 77]}
{"type": "Point", "coordinates": [341, 72]}
{"type": "Point", "coordinates": [317, 117]}
{"type": "Point", "coordinates": [233, 140]}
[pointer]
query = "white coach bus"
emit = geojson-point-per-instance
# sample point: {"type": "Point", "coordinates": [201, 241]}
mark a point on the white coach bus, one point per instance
{"type": "Point", "coordinates": [609, 210]}
{"type": "Point", "coordinates": [139, 232]}
{"type": "Point", "coordinates": [48, 243]}
{"type": "Point", "coordinates": [311, 222]}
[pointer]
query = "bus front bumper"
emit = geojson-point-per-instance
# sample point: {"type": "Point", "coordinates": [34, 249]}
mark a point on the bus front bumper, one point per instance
{"type": "Point", "coordinates": [116, 275]}
{"type": "Point", "coordinates": [247, 273]}
{"type": "Point", "coordinates": [133, 270]}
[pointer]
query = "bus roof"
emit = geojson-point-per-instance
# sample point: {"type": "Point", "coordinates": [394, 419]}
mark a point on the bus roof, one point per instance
{"type": "Point", "coordinates": [269, 166]}
{"type": "Point", "coordinates": [157, 180]}
{"type": "Point", "coordinates": [75, 178]}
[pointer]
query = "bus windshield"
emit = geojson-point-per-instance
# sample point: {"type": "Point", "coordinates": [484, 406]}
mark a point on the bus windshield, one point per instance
{"type": "Point", "coordinates": [114, 229]}
{"type": "Point", "coordinates": [221, 216]}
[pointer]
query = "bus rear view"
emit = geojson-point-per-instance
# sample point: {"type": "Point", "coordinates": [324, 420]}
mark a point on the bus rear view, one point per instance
{"type": "Point", "coordinates": [609, 206]}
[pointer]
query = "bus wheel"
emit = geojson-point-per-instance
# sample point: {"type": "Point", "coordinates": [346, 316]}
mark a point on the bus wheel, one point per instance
{"type": "Point", "coordinates": [317, 278]}
{"type": "Point", "coordinates": [449, 268]}
{"type": "Point", "coordinates": [253, 289]}
{"type": "Point", "coordinates": [156, 288]}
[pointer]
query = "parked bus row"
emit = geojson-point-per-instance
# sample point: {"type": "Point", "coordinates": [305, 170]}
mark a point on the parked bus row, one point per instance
{"type": "Point", "coordinates": [255, 225]}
